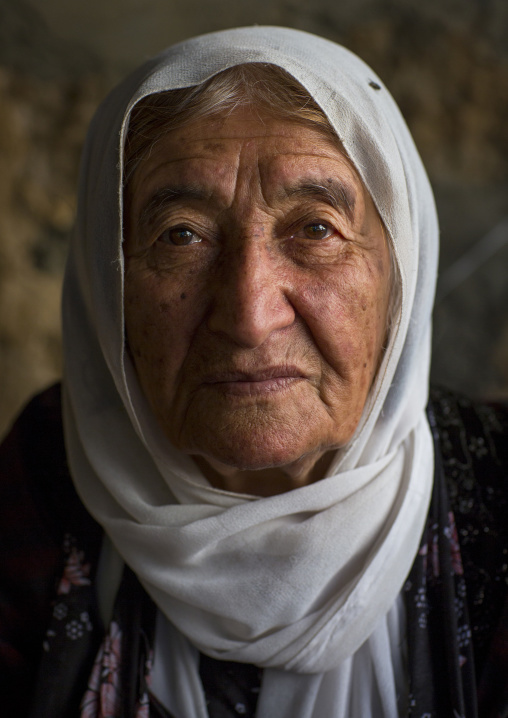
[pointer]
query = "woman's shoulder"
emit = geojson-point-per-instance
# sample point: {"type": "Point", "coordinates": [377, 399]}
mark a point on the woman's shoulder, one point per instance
{"type": "Point", "coordinates": [483, 423]}
{"type": "Point", "coordinates": [32, 466]}
{"type": "Point", "coordinates": [38, 508]}
{"type": "Point", "coordinates": [473, 442]}
{"type": "Point", "coordinates": [34, 474]}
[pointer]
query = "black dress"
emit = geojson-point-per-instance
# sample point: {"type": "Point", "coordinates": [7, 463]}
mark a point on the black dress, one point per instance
{"type": "Point", "coordinates": [55, 654]}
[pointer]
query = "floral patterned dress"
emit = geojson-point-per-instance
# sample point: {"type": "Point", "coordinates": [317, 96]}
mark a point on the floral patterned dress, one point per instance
{"type": "Point", "coordinates": [456, 593]}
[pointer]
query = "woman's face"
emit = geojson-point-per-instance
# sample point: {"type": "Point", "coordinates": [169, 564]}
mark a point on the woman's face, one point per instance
{"type": "Point", "coordinates": [256, 291]}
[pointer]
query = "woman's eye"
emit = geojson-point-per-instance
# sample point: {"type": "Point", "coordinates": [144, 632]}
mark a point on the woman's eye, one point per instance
{"type": "Point", "coordinates": [317, 230]}
{"type": "Point", "coordinates": [179, 236]}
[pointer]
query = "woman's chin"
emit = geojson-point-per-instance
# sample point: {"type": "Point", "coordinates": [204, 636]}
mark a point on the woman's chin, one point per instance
{"type": "Point", "coordinates": [251, 457]}
{"type": "Point", "coordinates": [263, 473]}
{"type": "Point", "coordinates": [256, 438]}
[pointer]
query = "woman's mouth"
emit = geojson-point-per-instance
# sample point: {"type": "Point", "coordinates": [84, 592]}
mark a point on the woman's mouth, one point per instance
{"type": "Point", "coordinates": [255, 383]}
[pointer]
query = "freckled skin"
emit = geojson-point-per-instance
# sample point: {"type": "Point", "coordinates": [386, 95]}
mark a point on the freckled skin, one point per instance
{"type": "Point", "coordinates": [262, 292]}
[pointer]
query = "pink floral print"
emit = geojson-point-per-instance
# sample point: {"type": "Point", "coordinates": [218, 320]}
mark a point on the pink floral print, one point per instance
{"type": "Point", "coordinates": [101, 700]}
{"type": "Point", "coordinates": [76, 571]}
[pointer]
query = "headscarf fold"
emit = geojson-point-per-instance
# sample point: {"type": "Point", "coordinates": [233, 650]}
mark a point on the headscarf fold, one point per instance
{"type": "Point", "coordinates": [296, 582]}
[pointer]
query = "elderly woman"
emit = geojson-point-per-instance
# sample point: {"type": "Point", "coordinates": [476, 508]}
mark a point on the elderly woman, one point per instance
{"type": "Point", "coordinates": [280, 528]}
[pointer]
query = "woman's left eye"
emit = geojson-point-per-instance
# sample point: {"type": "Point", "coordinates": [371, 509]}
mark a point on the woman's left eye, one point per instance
{"type": "Point", "coordinates": [316, 230]}
{"type": "Point", "coordinates": [179, 236]}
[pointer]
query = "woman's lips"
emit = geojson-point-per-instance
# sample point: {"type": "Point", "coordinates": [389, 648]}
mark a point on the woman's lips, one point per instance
{"type": "Point", "coordinates": [254, 383]}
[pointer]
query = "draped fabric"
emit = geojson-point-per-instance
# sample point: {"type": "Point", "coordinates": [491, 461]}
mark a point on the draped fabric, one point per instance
{"type": "Point", "coordinates": [49, 552]}
{"type": "Point", "coordinates": [210, 558]}
{"type": "Point", "coordinates": [446, 644]}
{"type": "Point", "coordinates": [441, 663]}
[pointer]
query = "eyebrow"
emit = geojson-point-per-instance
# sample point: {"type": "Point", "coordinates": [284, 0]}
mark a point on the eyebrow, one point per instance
{"type": "Point", "coordinates": [335, 193]}
{"type": "Point", "coordinates": [166, 197]}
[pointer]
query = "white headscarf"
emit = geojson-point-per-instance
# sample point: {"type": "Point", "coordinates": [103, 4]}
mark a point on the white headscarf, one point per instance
{"type": "Point", "coordinates": [296, 582]}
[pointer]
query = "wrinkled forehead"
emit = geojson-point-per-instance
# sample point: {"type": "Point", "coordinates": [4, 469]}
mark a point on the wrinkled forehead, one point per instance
{"type": "Point", "coordinates": [352, 97]}
{"type": "Point", "coordinates": [194, 137]}
{"type": "Point", "coordinates": [357, 105]}
{"type": "Point", "coordinates": [259, 157]}
{"type": "Point", "coordinates": [157, 137]}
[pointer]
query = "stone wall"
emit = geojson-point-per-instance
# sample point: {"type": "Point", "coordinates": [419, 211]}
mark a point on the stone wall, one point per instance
{"type": "Point", "coordinates": [446, 62]}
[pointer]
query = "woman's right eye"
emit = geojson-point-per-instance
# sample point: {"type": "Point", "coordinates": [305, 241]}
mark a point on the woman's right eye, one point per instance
{"type": "Point", "coordinates": [179, 236]}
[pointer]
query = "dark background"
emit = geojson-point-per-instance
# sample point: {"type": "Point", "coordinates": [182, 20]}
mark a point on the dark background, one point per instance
{"type": "Point", "coordinates": [445, 61]}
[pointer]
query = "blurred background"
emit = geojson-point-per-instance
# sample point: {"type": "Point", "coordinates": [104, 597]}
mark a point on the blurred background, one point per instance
{"type": "Point", "coordinates": [445, 61]}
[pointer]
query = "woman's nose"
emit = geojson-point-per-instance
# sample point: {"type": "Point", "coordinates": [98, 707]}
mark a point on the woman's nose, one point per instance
{"type": "Point", "coordinates": [250, 294]}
